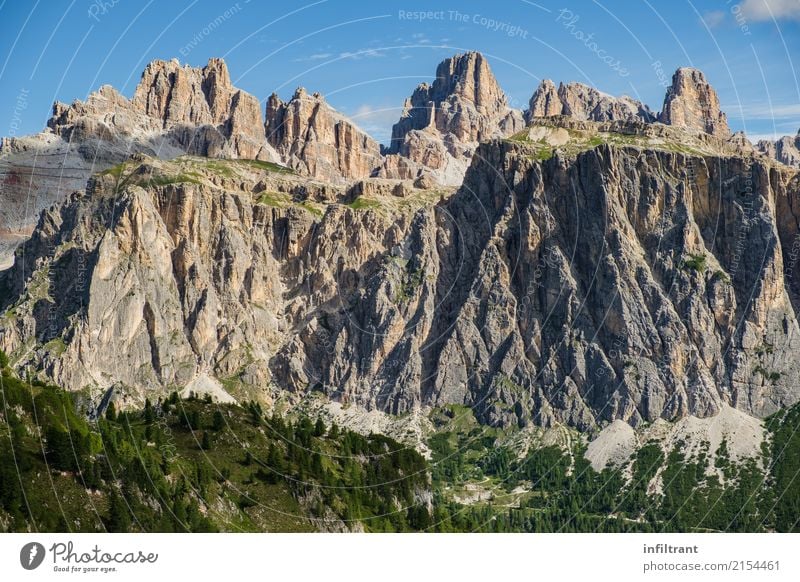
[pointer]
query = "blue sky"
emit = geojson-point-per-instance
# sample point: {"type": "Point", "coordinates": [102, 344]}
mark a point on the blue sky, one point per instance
{"type": "Point", "coordinates": [366, 57]}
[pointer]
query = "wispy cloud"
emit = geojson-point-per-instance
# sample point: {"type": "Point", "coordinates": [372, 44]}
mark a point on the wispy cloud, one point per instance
{"type": "Point", "coordinates": [769, 9]}
{"type": "Point", "coordinates": [314, 57]}
{"type": "Point", "coordinates": [420, 38]}
{"type": "Point", "coordinates": [362, 54]}
{"type": "Point", "coordinates": [714, 18]}
{"type": "Point", "coordinates": [377, 120]}
{"type": "Point", "coordinates": [765, 111]}
{"type": "Point", "coordinates": [757, 137]}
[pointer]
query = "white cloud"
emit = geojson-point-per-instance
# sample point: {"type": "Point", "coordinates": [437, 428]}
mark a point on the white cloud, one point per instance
{"type": "Point", "coordinates": [714, 18]}
{"type": "Point", "coordinates": [420, 38]}
{"type": "Point", "coordinates": [377, 121]}
{"type": "Point", "coordinates": [767, 9]}
{"type": "Point", "coordinates": [773, 137]}
{"type": "Point", "coordinates": [765, 111]}
{"type": "Point", "coordinates": [362, 54]}
{"type": "Point", "coordinates": [314, 57]}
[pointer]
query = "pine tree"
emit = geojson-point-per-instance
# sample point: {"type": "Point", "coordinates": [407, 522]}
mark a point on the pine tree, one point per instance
{"type": "Point", "coordinates": [119, 518]}
{"type": "Point", "coordinates": [59, 449]}
{"type": "Point", "coordinates": [149, 415]}
{"type": "Point", "coordinates": [333, 433]}
{"type": "Point", "coordinates": [274, 459]}
{"type": "Point", "coordinates": [218, 421]}
{"type": "Point", "coordinates": [206, 445]}
{"type": "Point", "coordinates": [111, 412]}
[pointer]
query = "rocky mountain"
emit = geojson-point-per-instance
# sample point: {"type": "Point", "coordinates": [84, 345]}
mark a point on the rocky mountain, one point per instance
{"type": "Point", "coordinates": [175, 110]}
{"type": "Point", "coordinates": [592, 266]}
{"type": "Point", "coordinates": [786, 150]}
{"type": "Point", "coordinates": [612, 277]}
{"type": "Point", "coordinates": [195, 110]}
{"type": "Point", "coordinates": [692, 103]}
{"type": "Point", "coordinates": [585, 103]}
{"type": "Point", "coordinates": [313, 138]}
{"type": "Point", "coordinates": [178, 109]}
{"type": "Point", "coordinates": [442, 123]}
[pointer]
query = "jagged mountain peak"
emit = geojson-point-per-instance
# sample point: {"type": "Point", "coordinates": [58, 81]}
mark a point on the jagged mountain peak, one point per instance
{"type": "Point", "coordinates": [584, 102]}
{"type": "Point", "coordinates": [314, 138]}
{"type": "Point", "coordinates": [443, 122]}
{"type": "Point", "coordinates": [692, 103]}
{"type": "Point", "coordinates": [785, 149]}
{"type": "Point", "coordinates": [468, 76]}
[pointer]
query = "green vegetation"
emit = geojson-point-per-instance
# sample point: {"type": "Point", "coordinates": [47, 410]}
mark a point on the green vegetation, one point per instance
{"type": "Point", "coordinates": [411, 281]}
{"type": "Point", "coordinates": [56, 346]}
{"type": "Point", "coordinates": [275, 199]}
{"type": "Point", "coordinates": [781, 496]}
{"type": "Point", "coordinates": [312, 208]}
{"type": "Point", "coordinates": [179, 465]}
{"type": "Point", "coordinates": [266, 166]}
{"type": "Point", "coordinates": [193, 465]}
{"type": "Point", "coordinates": [695, 263]}
{"type": "Point", "coordinates": [765, 348]}
{"type": "Point", "coordinates": [167, 180]}
{"type": "Point", "coordinates": [583, 140]}
{"type": "Point", "coordinates": [552, 489]}
{"type": "Point", "coordinates": [771, 376]}
{"type": "Point", "coordinates": [722, 276]}
{"type": "Point", "coordinates": [362, 203]}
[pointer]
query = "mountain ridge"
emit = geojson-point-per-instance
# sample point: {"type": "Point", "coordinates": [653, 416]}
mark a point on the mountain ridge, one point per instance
{"type": "Point", "coordinates": [593, 266]}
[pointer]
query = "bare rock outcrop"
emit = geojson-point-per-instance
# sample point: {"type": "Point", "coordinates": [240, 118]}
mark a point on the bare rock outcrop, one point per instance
{"type": "Point", "coordinates": [629, 282]}
{"type": "Point", "coordinates": [585, 103]}
{"type": "Point", "coordinates": [545, 101]}
{"type": "Point", "coordinates": [443, 123]}
{"type": "Point", "coordinates": [786, 150]}
{"type": "Point", "coordinates": [312, 137]}
{"type": "Point", "coordinates": [692, 103]}
{"type": "Point", "coordinates": [174, 107]}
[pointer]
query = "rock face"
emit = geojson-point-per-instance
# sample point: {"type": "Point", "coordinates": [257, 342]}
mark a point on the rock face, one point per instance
{"type": "Point", "coordinates": [629, 283]}
{"type": "Point", "coordinates": [652, 276]}
{"type": "Point", "coordinates": [442, 123]}
{"type": "Point", "coordinates": [786, 150]}
{"type": "Point", "coordinates": [693, 104]}
{"type": "Point", "coordinates": [585, 103]}
{"type": "Point", "coordinates": [195, 110]}
{"type": "Point", "coordinates": [312, 137]}
{"type": "Point", "coordinates": [545, 101]}
{"type": "Point", "coordinates": [175, 110]}
{"type": "Point", "coordinates": [180, 109]}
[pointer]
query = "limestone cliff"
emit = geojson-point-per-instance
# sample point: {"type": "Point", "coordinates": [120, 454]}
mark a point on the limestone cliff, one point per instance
{"type": "Point", "coordinates": [442, 123]}
{"type": "Point", "coordinates": [196, 110]}
{"type": "Point", "coordinates": [310, 136]}
{"type": "Point", "coordinates": [692, 103]}
{"type": "Point", "coordinates": [615, 280]}
{"type": "Point", "coordinates": [786, 150]}
{"type": "Point", "coordinates": [585, 103]}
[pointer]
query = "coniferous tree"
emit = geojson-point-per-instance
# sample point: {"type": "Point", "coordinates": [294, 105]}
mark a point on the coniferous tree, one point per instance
{"type": "Point", "coordinates": [119, 517]}
{"type": "Point", "coordinates": [218, 421]}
